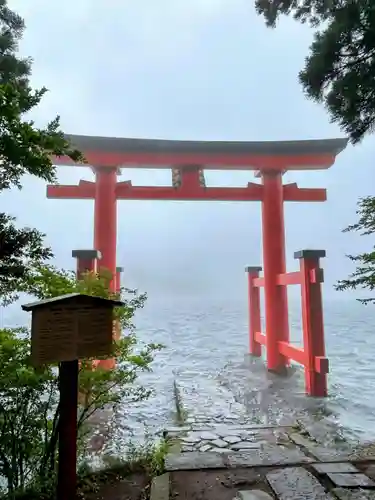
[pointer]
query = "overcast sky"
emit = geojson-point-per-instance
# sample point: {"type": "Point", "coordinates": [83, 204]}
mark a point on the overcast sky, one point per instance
{"type": "Point", "coordinates": [175, 69]}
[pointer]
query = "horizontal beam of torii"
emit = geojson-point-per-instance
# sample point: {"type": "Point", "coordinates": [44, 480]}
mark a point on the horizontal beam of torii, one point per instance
{"type": "Point", "coordinates": [126, 191]}
{"type": "Point", "coordinates": [188, 160]}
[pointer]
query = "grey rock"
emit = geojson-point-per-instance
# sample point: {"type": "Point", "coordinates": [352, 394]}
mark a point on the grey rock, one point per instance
{"type": "Point", "coordinates": [187, 448]}
{"type": "Point", "coordinates": [318, 431]}
{"type": "Point", "coordinates": [253, 495]}
{"type": "Point", "coordinates": [219, 443]}
{"type": "Point", "coordinates": [184, 428]}
{"type": "Point", "coordinates": [232, 439]}
{"type": "Point", "coordinates": [301, 440]}
{"type": "Point", "coordinates": [350, 480]}
{"type": "Point", "coordinates": [204, 448]}
{"type": "Point", "coordinates": [190, 438]}
{"type": "Point", "coordinates": [227, 431]}
{"type": "Point", "coordinates": [280, 436]}
{"type": "Point", "coordinates": [173, 434]}
{"type": "Point", "coordinates": [245, 445]}
{"type": "Point", "coordinates": [357, 494]}
{"type": "Point", "coordinates": [272, 455]}
{"type": "Point", "coordinates": [251, 432]}
{"type": "Point", "coordinates": [296, 482]}
{"type": "Point", "coordinates": [194, 460]}
{"type": "Point", "coordinates": [202, 427]}
{"type": "Point", "coordinates": [266, 426]}
{"type": "Point", "coordinates": [328, 454]}
{"type": "Point", "coordinates": [344, 467]}
{"type": "Point", "coordinates": [209, 436]}
{"type": "Point", "coordinates": [319, 452]}
{"type": "Point", "coordinates": [221, 450]}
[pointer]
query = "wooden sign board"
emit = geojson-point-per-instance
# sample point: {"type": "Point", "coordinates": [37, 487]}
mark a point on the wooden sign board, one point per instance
{"type": "Point", "coordinates": [70, 329]}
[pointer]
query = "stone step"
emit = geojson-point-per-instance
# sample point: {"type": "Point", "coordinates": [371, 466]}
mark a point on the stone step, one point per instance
{"type": "Point", "coordinates": [228, 438]}
{"type": "Point", "coordinates": [296, 482]}
{"type": "Point", "coordinates": [269, 456]}
{"type": "Point", "coordinates": [210, 425]}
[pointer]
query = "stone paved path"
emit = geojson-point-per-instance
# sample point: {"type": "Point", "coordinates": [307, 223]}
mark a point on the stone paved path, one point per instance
{"type": "Point", "coordinates": [298, 465]}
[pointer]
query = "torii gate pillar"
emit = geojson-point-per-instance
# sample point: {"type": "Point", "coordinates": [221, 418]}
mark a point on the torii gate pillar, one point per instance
{"type": "Point", "coordinates": [105, 218]}
{"type": "Point", "coordinates": [276, 298]}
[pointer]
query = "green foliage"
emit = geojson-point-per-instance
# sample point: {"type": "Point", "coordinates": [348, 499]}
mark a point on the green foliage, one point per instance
{"type": "Point", "coordinates": [340, 68]}
{"type": "Point", "coordinates": [24, 420]}
{"type": "Point", "coordinates": [29, 403]}
{"type": "Point", "coordinates": [24, 149]}
{"type": "Point", "coordinates": [364, 275]}
{"type": "Point", "coordinates": [148, 456]}
{"type": "Point", "coordinates": [20, 250]}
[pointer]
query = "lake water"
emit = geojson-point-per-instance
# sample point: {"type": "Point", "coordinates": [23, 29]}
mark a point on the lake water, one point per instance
{"type": "Point", "coordinates": [206, 341]}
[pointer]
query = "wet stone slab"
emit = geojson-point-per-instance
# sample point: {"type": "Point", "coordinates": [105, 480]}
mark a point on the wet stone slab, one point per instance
{"type": "Point", "coordinates": [272, 455]}
{"type": "Point", "coordinates": [351, 480]}
{"type": "Point", "coordinates": [220, 450]}
{"type": "Point", "coordinates": [193, 460]}
{"type": "Point", "coordinates": [229, 427]}
{"type": "Point", "coordinates": [245, 445]}
{"type": "Point", "coordinates": [209, 436]}
{"type": "Point", "coordinates": [296, 482]}
{"type": "Point", "coordinates": [219, 443]}
{"type": "Point", "coordinates": [191, 438]}
{"type": "Point", "coordinates": [234, 437]}
{"type": "Point", "coordinates": [357, 494]}
{"type": "Point", "coordinates": [336, 468]}
{"type": "Point", "coordinates": [319, 452]}
{"type": "Point", "coordinates": [204, 448]}
{"type": "Point", "coordinates": [329, 454]}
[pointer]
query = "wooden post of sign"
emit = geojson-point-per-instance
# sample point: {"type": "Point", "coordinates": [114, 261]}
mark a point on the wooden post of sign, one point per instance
{"type": "Point", "coordinates": [64, 330]}
{"type": "Point", "coordinates": [67, 469]}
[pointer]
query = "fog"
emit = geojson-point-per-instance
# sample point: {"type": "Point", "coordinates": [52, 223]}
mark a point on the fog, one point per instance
{"type": "Point", "coordinates": [202, 69]}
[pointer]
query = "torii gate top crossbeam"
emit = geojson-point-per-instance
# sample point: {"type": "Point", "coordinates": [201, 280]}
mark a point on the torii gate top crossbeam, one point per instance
{"type": "Point", "coordinates": [154, 153]}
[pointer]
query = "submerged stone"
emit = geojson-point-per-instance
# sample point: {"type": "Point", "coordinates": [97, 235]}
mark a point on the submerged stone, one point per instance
{"type": "Point", "coordinates": [205, 447]}
{"type": "Point", "coordinates": [232, 439]}
{"type": "Point", "coordinates": [219, 443]}
{"type": "Point", "coordinates": [209, 436]}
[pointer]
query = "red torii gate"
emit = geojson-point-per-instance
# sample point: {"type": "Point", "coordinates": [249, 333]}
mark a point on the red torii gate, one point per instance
{"type": "Point", "coordinates": [188, 160]}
